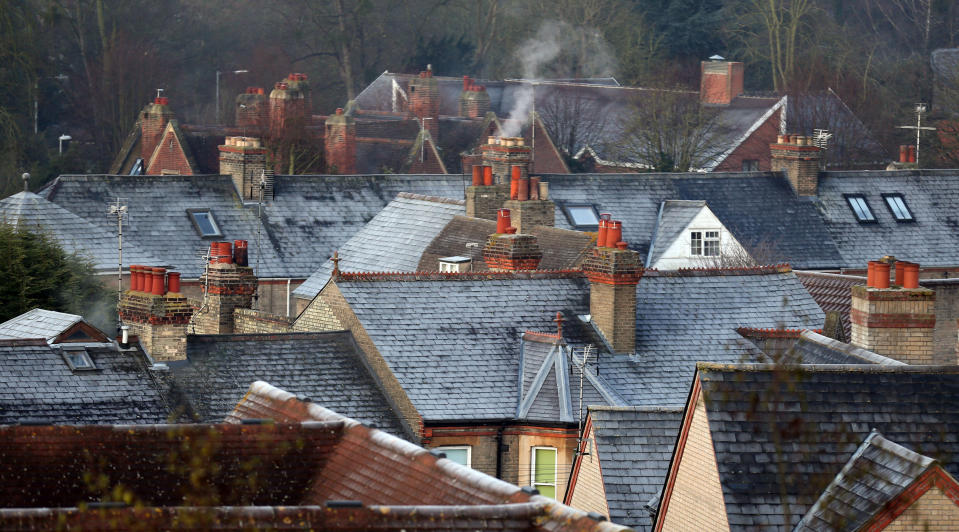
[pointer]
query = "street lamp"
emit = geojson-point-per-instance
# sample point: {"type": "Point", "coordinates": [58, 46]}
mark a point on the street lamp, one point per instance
{"type": "Point", "coordinates": [218, 90]}
{"type": "Point", "coordinates": [63, 138]}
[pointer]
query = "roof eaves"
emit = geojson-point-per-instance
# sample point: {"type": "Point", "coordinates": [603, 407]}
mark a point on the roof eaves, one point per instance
{"type": "Point", "coordinates": [752, 129]}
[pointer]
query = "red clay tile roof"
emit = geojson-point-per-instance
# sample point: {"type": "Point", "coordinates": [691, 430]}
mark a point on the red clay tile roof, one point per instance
{"type": "Point", "coordinates": [282, 474]}
{"type": "Point", "coordinates": [832, 292]}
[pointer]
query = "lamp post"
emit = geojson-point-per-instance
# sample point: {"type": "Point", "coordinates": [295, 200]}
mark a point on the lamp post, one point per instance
{"type": "Point", "coordinates": [63, 138]}
{"type": "Point", "coordinates": [218, 90]}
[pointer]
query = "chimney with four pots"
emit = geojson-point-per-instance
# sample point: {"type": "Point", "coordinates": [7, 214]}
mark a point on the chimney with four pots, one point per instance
{"type": "Point", "coordinates": [228, 284]}
{"type": "Point", "coordinates": [156, 311]}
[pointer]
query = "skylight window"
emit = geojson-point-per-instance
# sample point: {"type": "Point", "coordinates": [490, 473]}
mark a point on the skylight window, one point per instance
{"type": "Point", "coordinates": [204, 222]}
{"type": "Point", "coordinates": [898, 208]}
{"type": "Point", "coordinates": [582, 216]}
{"type": "Point", "coordinates": [77, 358]}
{"type": "Point", "coordinates": [860, 207]}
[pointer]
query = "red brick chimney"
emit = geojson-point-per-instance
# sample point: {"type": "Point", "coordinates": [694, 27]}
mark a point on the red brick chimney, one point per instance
{"type": "Point", "coordinates": [340, 143]}
{"type": "Point", "coordinates": [424, 94]}
{"type": "Point", "coordinates": [506, 250]}
{"type": "Point", "coordinates": [896, 321]}
{"type": "Point", "coordinates": [153, 120]}
{"type": "Point", "coordinates": [253, 110]}
{"type": "Point", "coordinates": [156, 311]}
{"type": "Point", "coordinates": [799, 158]}
{"type": "Point", "coordinates": [720, 82]}
{"type": "Point", "coordinates": [614, 271]}
{"type": "Point", "coordinates": [287, 111]}
{"type": "Point", "coordinates": [244, 158]}
{"type": "Point", "coordinates": [474, 100]}
{"type": "Point", "coordinates": [228, 284]}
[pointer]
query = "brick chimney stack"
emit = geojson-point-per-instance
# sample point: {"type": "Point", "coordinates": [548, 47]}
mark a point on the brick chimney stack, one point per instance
{"type": "Point", "coordinates": [157, 312]}
{"type": "Point", "coordinates": [720, 81]}
{"type": "Point", "coordinates": [474, 100]}
{"type": "Point", "coordinates": [506, 250]}
{"type": "Point", "coordinates": [529, 202]}
{"type": "Point", "coordinates": [153, 120]}
{"type": "Point", "coordinates": [425, 101]}
{"type": "Point", "coordinates": [892, 320]}
{"type": "Point", "coordinates": [228, 284]}
{"type": "Point", "coordinates": [287, 111]}
{"type": "Point", "coordinates": [614, 272]}
{"type": "Point", "coordinates": [340, 143]}
{"type": "Point", "coordinates": [244, 158]}
{"type": "Point", "coordinates": [253, 110]}
{"type": "Point", "coordinates": [799, 158]}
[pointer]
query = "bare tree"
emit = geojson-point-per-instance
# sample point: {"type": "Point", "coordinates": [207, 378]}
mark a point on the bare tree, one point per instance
{"type": "Point", "coordinates": [573, 118]}
{"type": "Point", "coordinates": [670, 131]}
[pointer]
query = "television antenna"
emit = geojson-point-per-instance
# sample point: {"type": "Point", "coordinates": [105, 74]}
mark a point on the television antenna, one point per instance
{"type": "Point", "coordinates": [820, 138]}
{"type": "Point", "coordinates": [119, 209]}
{"type": "Point", "coordinates": [920, 109]}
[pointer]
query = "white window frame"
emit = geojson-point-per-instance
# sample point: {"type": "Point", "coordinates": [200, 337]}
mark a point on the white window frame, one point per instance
{"type": "Point", "coordinates": [707, 239]}
{"type": "Point", "coordinates": [467, 448]}
{"type": "Point", "coordinates": [695, 243]}
{"type": "Point", "coordinates": [532, 468]}
{"type": "Point", "coordinates": [83, 362]}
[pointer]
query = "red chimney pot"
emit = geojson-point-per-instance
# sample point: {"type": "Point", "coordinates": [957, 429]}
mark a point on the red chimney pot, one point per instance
{"type": "Point", "coordinates": [900, 271]}
{"type": "Point", "coordinates": [911, 276]}
{"type": "Point", "coordinates": [871, 273]}
{"type": "Point", "coordinates": [488, 176]}
{"type": "Point", "coordinates": [158, 281]}
{"type": "Point", "coordinates": [621, 245]}
{"type": "Point", "coordinates": [534, 188]}
{"type": "Point", "coordinates": [240, 253]}
{"type": "Point", "coordinates": [614, 233]}
{"type": "Point", "coordinates": [904, 153]}
{"type": "Point", "coordinates": [881, 274]}
{"type": "Point", "coordinates": [503, 221]}
{"type": "Point", "coordinates": [603, 231]}
{"type": "Point", "coordinates": [477, 175]}
{"type": "Point", "coordinates": [173, 281]}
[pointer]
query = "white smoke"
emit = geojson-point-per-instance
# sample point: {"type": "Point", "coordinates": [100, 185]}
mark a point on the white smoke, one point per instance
{"type": "Point", "coordinates": [557, 50]}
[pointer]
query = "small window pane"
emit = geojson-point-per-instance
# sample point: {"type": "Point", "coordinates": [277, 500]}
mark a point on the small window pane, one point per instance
{"type": "Point", "coordinates": [695, 243]}
{"type": "Point", "coordinates": [78, 359]}
{"type": "Point", "coordinates": [711, 244]}
{"type": "Point", "coordinates": [583, 215]}
{"type": "Point", "coordinates": [544, 471]}
{"type": "Point", "coordinates": [898, 207]}
{"type": "Point", "coordinates": [860, 208]}
{"type": "Point", "coordinates": [460, 455]}
{"type": "Point", "coordinates": [205, 223]}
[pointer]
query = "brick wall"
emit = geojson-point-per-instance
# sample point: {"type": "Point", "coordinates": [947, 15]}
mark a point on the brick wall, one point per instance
{"type": "Point", "coordinates": [484, 202]}
{"type": "Point", "coordinates": [424, 96]}
{"type": "Point", "coordinates": [230, 287]}
{"type": "Point", "coordinates": [245, 161]}
{"type": "Point", "coordinates": [246, 321]}
{"type": "Point", "coordinates": [721, 81]}
{"type": "Point", "coordinates": [505, 252]}
{"type": "Point", "coordinates": [696, 502]}
{"type": "Point", "coordinates": [613, 275]}
{"type": "Point", "coordinates": [945, 335]}
{"type": "Point", "coordinates": [526, 215]}
{"type": "Point", "coordinates": [589, 493]}
{"type": "Point", "coordinates": [546, 158]}
{"type": "Point", "coordinates": [894, 322]}
{"type": "Point", "coordinates": [153, 121]}
{"type": "Point", "coordinates": [933, 512]}
{"type": "Point", "coordinates": [754, 147]}
{"type": "Point", "coordinates": [331, 308]}
{"type": "Point", "coordinates": [340, 143]}
{"type": "Point", "coordinates": [170, 157]}
{"type": "Point", "coordinates": [800, 161]}
{"type": "Point", "coordinates": [159, 321]}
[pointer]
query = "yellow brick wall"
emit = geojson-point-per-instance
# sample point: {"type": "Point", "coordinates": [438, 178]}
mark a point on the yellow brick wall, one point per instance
{"type": "Point", "coordinates": [912, 345]}
{"type": "Point", "coordinates": [588, 493]}
{"type": "Point", "coordinates": [933, 512]}
{"type": "Point", "coordinates": [697, 501]}
{"type": "Point", "coordinates": [564, 454]}
{"type": "Point", "coordinates": [319, 315]}
{"type": "Point", "coordinates": [247, 321]}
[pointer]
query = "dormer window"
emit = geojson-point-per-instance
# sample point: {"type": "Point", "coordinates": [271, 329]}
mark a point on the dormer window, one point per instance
{"type": "Point", "coordinates": [204, 223]}
{"type": "Point", "coordinates": [860, 208]}
{"type": "Point", "coordinates": [78, 359]}
{"type": "Point", "coordinates": [898, 208]}
{"type": "Point", "coordinates": [704, 243]}
{"type": "Point", "coordinates": [582, 217]}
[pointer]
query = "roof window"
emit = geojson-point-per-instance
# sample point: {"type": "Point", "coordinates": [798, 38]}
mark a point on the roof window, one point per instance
{"type": "Point", "coordinates": [78, 359]}
{"type": "Point", "coordinates": [898, 208]}
{"type": "Point", "coordinates": [860, 207]}
{"type": "Point", "coordinates": [582, 217]}
{"type": "Point", "coordinates": [204, 223]}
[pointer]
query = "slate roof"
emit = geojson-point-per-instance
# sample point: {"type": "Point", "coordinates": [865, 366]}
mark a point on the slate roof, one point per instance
{"type": "Point", "coordinates": [73, 233]}
{"type": "Point", "coordinates": [323, 366]}
{"type": "Point", "coordinates": [634, 446]}
{"type": "Point", "coordinates": [687, 317]}
{"type": "Point", "coordinates": [674, 217]}
{"type": "Point", "coordinates": [39, 386]}
{"type": "Point", "coordinates": [38, 323]}
{"type": "Point", "coordinates": [804, 424]}
{"type": "Point", "coordinates": [438, 334]}
{"type": "Point", "coordinates": [307, 219]}
{"type": "Point", "coordinates": [814, 348]}
{"type": "Point", "coordinates": [876, 473]}
{"type": "Point", "coordinates": [393, 240]}
{"type": "Point", "coordinates": [930, 195]}
{"type": "Point", "coordinates": [760, 209]}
